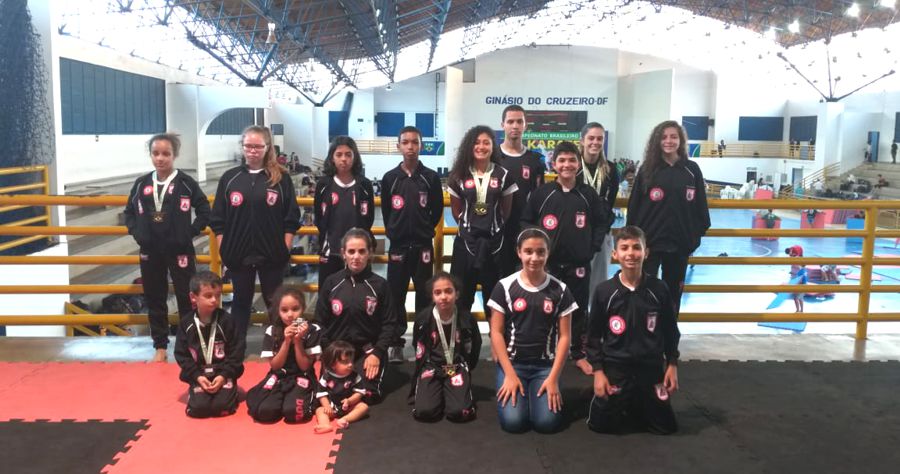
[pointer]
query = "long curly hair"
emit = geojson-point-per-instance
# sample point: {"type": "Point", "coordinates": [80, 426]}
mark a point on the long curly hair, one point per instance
{"type": "Point", "coordinates": [270, 163]}
{"type": "Point", "coordinates": [465, 156]}
{"type": "Point", "coordinates": [329, 169]}
{"type": "Point", "coordinates": [653, 155]}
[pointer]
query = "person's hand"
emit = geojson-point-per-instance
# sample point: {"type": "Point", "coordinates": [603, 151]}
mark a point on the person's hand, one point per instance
{"type": "Point", "coordinates": [602, 388]}
{"type": "Point", "coordinates": [671, 379]}
{"type": "Point", "coordinates": [345, 404]}
{"type": "Point", "coordinates": [204, 383]}
{"type": "Point", "coordinates": [302, 330]}
{"type": "Point", "coordinates": [554, 397]}
{"type": "Point", "coordinates": [511, 386]}
{"type": "Point", "coordinates": [371, 366]}
{"type": "Point", "coordinates": [585, 366]}
{"type": "Point", "coordinates": [290, 332]}
{"type": "Point", "coordinates": [328, 409]}
{"type": "Point", "coordinates": [216, 384]}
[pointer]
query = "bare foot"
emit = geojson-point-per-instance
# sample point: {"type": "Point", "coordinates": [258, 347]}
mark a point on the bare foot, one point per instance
{"type": "Point", "coordinates": [322, 429]}
{"type": "Point", "coordinates": [343, 424]}
{"type": "Point", "coordinates": [160, 356]}
{"type": "Point", "coordinates": [585, 366]}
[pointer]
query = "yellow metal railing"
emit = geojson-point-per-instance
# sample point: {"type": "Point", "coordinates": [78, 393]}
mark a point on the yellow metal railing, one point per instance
{"type": "Point", "coordinates": [43, 185]}
{"type": "Point", "coordinates": [864, 289]}
{"type": "Point", "coordinates": [758, 150]}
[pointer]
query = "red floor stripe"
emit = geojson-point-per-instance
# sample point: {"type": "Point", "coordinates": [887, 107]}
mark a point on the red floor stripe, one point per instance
{"type": "Point", "coordinates": [174, 442]}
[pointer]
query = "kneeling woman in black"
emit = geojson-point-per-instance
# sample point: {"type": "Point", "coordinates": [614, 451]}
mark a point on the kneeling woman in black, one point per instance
{"type": "Point", "coordinates": [354, 305]}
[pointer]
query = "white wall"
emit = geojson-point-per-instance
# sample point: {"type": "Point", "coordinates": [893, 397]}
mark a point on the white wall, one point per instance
{"type": "Point", "coordinates": [298, 132]}
{"type": "Point", "coordinates": [644, 101]}
{"type": "Point", "coordinates": [734, 170]}
{"type": "Point", "coordinates": [736, 97]}
{"type": "Point", "coordinates": [422, 94]}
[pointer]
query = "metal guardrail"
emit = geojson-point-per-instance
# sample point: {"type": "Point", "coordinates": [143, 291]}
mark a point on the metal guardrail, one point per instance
{"type": "Point", "coordinates": [43, 185]}
{"type": "Point", "coordinates": [864, 289]}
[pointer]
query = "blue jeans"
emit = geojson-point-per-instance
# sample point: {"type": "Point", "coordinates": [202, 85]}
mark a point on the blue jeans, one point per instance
{"type": "Point", "coordinates": [530, 411]}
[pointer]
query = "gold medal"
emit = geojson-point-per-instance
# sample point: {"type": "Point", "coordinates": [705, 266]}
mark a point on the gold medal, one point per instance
{"type": "Point", "coordinates": [159, 217]}
{"type": "Point", "coordinates": [450, 370]}
{"type": "Point", "coordinates": [480, 208]}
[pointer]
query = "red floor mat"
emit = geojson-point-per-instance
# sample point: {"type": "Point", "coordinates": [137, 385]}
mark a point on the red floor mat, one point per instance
{"type": "Point", "coordinates": [137, 391]}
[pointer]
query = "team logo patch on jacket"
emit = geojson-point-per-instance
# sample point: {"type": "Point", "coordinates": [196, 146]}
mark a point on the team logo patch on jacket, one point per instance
{"type": "Point", "coordinates": [580, 272]}
{"type": "Point", "coordinates": [519, 304]}
{"type": "Point", "coordinates": [183, 261]}
{"type": "Point", "coordinates": [396, 257]}
{"type": "Point", "coordinates": [526, 172]}
{"type": "Point", "coordinates": [423, 199]}
{"type": "Point", "coordinates": [550, 222]}
{"type": "Point", "coordinates": [651, 321]}
{"type": "Point", "coordinates": [548, 305]}
{"type": "Point", "coordinates": [236, 198]}
{"type": "Point", "coordinates": [397, 202]}
{"type": "Point", "coordinates": [219, 350]}
{"type": "Point", "coordinates": [427, 374]}
{"type": "Point", "coordinates": [689, 193]}
{"type": "Point", "coordinates": [580, 220]}
{"type": "Point", "coordinates": [661, 392]}
{"type": "Point", "coordinates": [657, 194]}
{"type": "Point", "coordinates": [426, 256]}
{"type": "Point", "coordinates": [617, 325]}
{"type": "Point", "coordinates": [171, 188]}
{"type": "Point", "coordinates": [337, 307]}
{"type": "Point", "coordinates": [302, 382]}
{"type": "Point", "coordinates": [371, 305]}
{"type": "Point", "coordinates": [334, 199]}
{"type": "Point", "coordinates": [420, 350]}
{"type": "Point", "coordinates": [271, 197]}
{"type": "Point", "coordinates": [270, 382]}
{"type": "Point", "coordinates": [457, 380]}
{"type": "Point", "coordinates": [185, 204]}
{"type": "Point", "coordinates": [148, 189]}
{"type": "Point", "coordinates": [495, 183]}
{"type": "Point", "coordinates": [469, 184]}
{"type": "Point", "coordinates": [364, 208]}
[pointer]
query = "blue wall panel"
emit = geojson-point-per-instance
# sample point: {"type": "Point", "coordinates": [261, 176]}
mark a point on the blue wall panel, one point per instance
{"type": "Point", "coordinates": [766, 129]}
{"type": "Point", "coordinates": [425, 123]}
{"type": "Point", "coordinates": [803, 128]}
{"type": "Point", "coordinates": [231, 122]}
{"type": "Point", "coordinates": [388, 124]}
{"type": "Point", "coordinates": [697, 127]}
{"type": "Point", "coordinates": [338, 123]}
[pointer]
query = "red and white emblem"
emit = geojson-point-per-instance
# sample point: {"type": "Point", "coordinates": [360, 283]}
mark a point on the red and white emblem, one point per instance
{"type": "Point", "coordinates": [651, 321]}
{"type": "Point", "coordinates": [302, 382]}
{"type": "Point", "coordinates": [140, 208]}
{"type": "Point", "coordinates": [364, 208]}
{"type": "Point", "coordinates": [337, 307]}
{"type": "Point", "coordinates": [548, 305]}
{"type": "Point", "coordinates": [550, 222]}
{"type": "Point", "coordinates": [185, 204]}
{"type": "Point", "coordinates": [456, 380]}
{"type": "Point", "coordinates": [236, 198]}
{"type": "Point", "coordinates": [689, 193]}
{"type": "Point", "coordinates": [171, 188]}
{"type": "Point", "coordinates": [657, 194]}
{"type": "Point", "coordinates": [427, 374]}
{"type": "Point", "coordinates": [148, 189]}
{"type": "Point", "coordinates": [661, 392]}
{"type": "Point", "coordinates": [519, 304]}
{"type": "Point", "coordinates": [331, 384]}
{"type": "Point", "coordinates": [270, 382]}
{"type": "Point", "coordinates": [580, 272]}
{"type": "Point", "coordinates": [580, 220]}
{"type": "Point", "coordinates": [469, 183]}
{"type": "Point", "coordinates": [617, 325]}
{"type": "Point", "coordinates": [420, 350]}
{"type": "Point", "coordinates": [371, 305]}
{"type": "Point", "coordinates": [396, 257]}
{"type": "Point", "coordinates": [423, 199]}
{"type": "Point", "coordinates": [334, 199]}
{"type": "Point", "coordinates": [397, 202]}
{"type": "Point", "coordinates": [526, 172]}
{"type": "Point", "coordinates": [183, 261]}
{"type": "Point", "coordinates": [271, 197]}
{"type": "Point", "coordinates": [219, 350]}
{"type": "Point", "coordinates": [495, 183]}
{"type": "Point", "coordinates": [426, 256]}
{"type": "Point", "coordinates": [347, 384]}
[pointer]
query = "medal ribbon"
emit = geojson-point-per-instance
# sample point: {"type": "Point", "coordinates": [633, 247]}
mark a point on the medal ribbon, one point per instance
{"type": "Point", "coordinates": [159, 198]}
{"type": "Point", "coordinates": [207, 349]}
{"type": "Point", "coordinates": [448, 348]}
{"type": "Point", "coordinates": [595, 181]}
{"type": "Point", "coordinates": [480, 187]}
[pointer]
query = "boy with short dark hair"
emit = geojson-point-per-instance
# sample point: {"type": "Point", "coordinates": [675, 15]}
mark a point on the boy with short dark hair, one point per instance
{"type": "Point", "coordinates": [209, 351]}
{"type": "Point", "coordinates": [633, 345]}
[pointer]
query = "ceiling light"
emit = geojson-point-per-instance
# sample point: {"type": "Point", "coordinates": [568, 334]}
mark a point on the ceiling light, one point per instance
{"type": "Point", "coordinates": [794, 27]}
{"type": "Point", "coordinates": [853, 10]}
{"type": "Point", "coordinates": [388, 88]}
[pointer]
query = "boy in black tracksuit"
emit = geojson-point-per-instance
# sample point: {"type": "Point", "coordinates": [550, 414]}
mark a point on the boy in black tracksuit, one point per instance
{"type": "Point", "coordinates": [357, 308]}
{"type": "Point", "coordinates": [412, 203]}
{"type": "Point", "coordinates": [165, 237]}
{"type": "Point", "coordinates": [337, 209]}
{"type": "Point", "coordinates": [576, 220]}
{"type": "Point", "coordinates": [210, 351]}
{"type": "Point", "coordinates": [633, 346]}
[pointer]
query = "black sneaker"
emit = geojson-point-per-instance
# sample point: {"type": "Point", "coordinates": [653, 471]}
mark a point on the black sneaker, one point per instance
{"type": "Point", "coordinates": [395, 355]}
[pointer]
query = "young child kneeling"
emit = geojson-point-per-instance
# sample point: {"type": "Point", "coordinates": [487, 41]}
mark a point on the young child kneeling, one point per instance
{"type": "Point", "coordinates": [447, 345]}
{"type": "Point", "coordinates": [291, 345]}
{"type": "Point", "coordinates": [209, 351]}
{"type": "Point", "coordinates": [340, 389]}
{"type": "Point", "coordinates": [632, 345]}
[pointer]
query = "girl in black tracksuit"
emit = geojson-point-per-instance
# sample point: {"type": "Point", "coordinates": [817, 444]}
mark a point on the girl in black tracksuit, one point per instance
{"type": "Point", "coordinates": [255, 217]}
{"type": "Point", "coordinates": [668, 203]}
{"type": "Point", "coordinates": [576, 220]}
{"type": "Point", "coordinates": [291, 346]}
{"type": "Point", "coordinates": [481, 195]}
{"type": "Point", "coordinates": [165, 233]}
{"type": "Point", "coordinates": [355, 306]}
{"type": "Point", "coordinates": [442, 385]}
{"type": "Point", "coordinates": [343, 199]}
